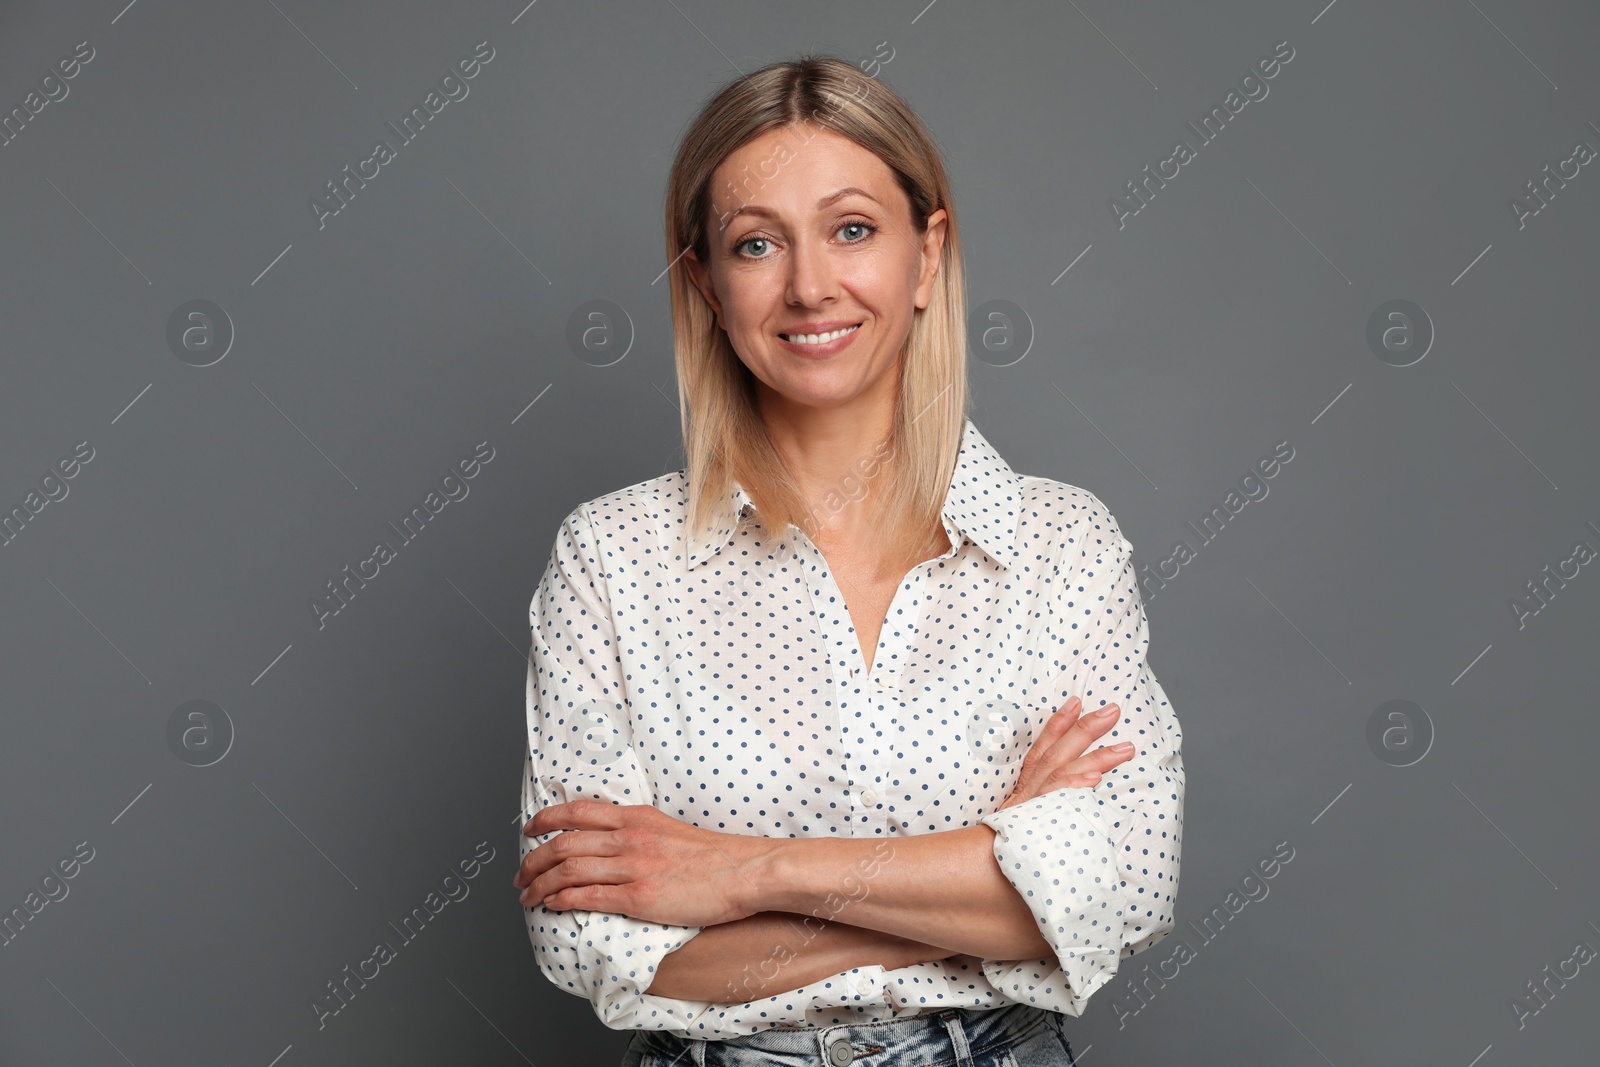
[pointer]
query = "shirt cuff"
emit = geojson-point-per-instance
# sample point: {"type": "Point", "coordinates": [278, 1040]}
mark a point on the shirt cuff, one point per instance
{"type": "Point", "coordinates": [1057, 850]}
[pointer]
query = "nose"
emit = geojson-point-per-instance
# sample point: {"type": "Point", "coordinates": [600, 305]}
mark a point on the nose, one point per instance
{"type": "Point", "coordinates": [811, 274]}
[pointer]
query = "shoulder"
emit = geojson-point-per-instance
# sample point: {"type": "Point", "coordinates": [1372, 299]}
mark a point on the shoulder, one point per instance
{"type": "Point", "coordinates": [1068, 517]}
{"type": "Point", "coordinates": [648, 507]}
{"type": "Point", "coordinates": [1075, 530]}
{"type": "Point", "coordinates": [612, 532]}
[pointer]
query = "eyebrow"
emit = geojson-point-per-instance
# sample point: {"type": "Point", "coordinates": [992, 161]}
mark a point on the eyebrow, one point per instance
{"type": "Point", "coordinates": [831, 198]}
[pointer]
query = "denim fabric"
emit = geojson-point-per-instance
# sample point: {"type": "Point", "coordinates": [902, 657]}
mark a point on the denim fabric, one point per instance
{"type": "Point", "coordinates": [1018, 1035]}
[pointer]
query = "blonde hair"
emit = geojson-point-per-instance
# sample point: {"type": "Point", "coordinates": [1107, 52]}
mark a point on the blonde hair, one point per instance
{"type": "Point", "coordinates": [724, 436]}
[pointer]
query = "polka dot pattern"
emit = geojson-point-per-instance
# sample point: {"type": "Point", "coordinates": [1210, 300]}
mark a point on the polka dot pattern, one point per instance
{"type": "Point", "coordinates": [729, 667]}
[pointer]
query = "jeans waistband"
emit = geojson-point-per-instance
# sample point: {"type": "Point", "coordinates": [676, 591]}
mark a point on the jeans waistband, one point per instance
{"type": "Point", "coordinates": [965, 1030]}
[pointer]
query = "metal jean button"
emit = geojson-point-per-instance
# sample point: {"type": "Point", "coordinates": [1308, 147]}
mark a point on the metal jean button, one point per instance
{"type": "Point", "coordinates": [840, 1052]}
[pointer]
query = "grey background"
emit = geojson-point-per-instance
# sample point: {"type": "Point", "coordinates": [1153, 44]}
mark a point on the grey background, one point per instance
{"type": "Point", "coordinates": [373, 754]}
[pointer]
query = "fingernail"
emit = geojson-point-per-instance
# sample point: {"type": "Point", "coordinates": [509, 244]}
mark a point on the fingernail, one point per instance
{"type": "Point", "coordinates": [1093, 776]}
{"type": "Point", "coordinates": [1107, 711]}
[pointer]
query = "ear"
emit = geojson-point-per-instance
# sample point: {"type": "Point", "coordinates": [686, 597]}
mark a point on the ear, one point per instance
{"type": "Point", "coordinates": [932, 249]}
{"type": "Point", "coordinates": [700, 275]}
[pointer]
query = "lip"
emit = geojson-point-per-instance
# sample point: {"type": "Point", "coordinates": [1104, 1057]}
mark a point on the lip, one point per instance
{"type": "Point", "coordinates": [838, 344]}
{"type": "Point", "coordinates": [821, 327]}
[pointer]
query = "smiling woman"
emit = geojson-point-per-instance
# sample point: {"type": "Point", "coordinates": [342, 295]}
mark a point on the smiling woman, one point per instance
{"type": "Point", "coordinates": [806, 774]}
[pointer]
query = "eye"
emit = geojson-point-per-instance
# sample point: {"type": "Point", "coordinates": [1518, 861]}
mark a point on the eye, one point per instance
{"type": "Point", "coordinates": [737, 249]}
{"type": "Point", "coordinates": [867, 228]}
{"type": "Point", "coordinates": [862, 227]}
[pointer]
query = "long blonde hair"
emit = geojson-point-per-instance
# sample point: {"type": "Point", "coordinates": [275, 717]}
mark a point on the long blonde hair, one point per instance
{"type": "Point", "coordinates": [724, 436]}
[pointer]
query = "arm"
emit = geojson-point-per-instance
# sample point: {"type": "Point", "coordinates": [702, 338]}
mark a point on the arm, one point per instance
{"type": "Point", "coordinates": [1074, 879]}
{"type": "Point", "coordinates": [605, 958]}
{"type": "Point", "coordinates": [580, 747]}
{"type": "Point", "coordinates": [1098, 867]}
{"type": "Point", "coordinates": [944, 888]}
{"type": "Point", "coordinates": [774, 952]}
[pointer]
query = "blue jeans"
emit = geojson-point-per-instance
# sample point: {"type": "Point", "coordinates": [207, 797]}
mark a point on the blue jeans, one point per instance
{"type": "Point", "coordinates": [1017, 1035]}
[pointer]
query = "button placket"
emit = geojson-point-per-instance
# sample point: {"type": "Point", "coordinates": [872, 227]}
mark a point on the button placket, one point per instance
{"type": "Point", "coordinates": [900, 629]}
{"type": "Point", "coordinates": [851, 684]}
{"type": "Point", "coordinates": [828, 603]}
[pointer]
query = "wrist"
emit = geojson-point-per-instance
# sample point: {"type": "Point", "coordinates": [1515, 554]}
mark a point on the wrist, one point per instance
{"type": "Point", "coordinates": [776, 876]}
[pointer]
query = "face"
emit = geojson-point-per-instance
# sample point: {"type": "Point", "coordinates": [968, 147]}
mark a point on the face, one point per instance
{"type": "Point", "coordinates": [793, 261]}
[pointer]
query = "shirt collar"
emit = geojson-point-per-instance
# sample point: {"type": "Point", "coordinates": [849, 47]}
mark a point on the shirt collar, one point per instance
{"type": "Point", "coordinates": [980, 504]}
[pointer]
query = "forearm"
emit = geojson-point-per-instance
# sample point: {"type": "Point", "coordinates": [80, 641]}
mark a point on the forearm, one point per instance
{"type": "Point", "coordinates": [773, 952]}
{"type": "Point", "coordinates": [941, 888]}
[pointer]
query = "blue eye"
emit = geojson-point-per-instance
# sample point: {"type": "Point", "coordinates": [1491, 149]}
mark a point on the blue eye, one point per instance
{"type": "Point", "coordinates": [867, 228]}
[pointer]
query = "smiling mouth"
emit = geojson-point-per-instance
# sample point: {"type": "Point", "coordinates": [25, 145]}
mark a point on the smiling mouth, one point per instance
{"type": "Point", "coordinates": [818, 338]}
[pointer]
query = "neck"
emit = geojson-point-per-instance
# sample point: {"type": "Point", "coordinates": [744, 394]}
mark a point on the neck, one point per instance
{"type": "Point", "coordinates": [836, 455]}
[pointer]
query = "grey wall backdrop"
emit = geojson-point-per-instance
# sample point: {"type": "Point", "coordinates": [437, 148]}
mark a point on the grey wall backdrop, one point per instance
{"type": "Point", "coordinates": [1376, 265]}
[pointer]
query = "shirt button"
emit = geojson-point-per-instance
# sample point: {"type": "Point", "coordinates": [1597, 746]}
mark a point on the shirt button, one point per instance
{"type": "Point", "coordinates": [868, 797]}
{"type": "Point", "coordinates": [840, 1052]}
{"type": "Point", "coordinates": [864, 986]}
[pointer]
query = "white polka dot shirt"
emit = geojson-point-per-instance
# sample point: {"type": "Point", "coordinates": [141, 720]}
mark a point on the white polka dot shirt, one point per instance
{"type": "Point", "coordinates": [721, 681]}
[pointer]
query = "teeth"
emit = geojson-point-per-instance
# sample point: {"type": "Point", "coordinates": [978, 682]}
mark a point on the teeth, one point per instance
{"type": "Point", "coordinates": [819, 338]}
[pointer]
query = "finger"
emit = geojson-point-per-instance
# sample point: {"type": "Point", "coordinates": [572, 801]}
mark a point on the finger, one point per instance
{"type": "Point", "coordinates": [1063, 779]}
{"type": "Point", "coordinates": [1037, 762]}
{"type": "Point", "coordinates": [582, 814]}
{"type": "Point", "coordinates": [1105, 757]}
{"type": "Point", "coordinates": [1074, 741]}
{"type": "Point", "coordinates": [578, 871]}
{"type": "Point", "coordinates": [1099, 720]}
{"type": "Point", "coordinates": [1100, 760]}
{"type": "Point", "coordinates": [1076, 780]}
{"type": "Point", "coordinates": [1061, 720]}
{"type": "Point", "coordinates": [536, 825]}
{"type": "Point", "coordinates": [564, 847]}
{"type": "Point", "coordinates": [611, 898]}
{"type": "Point", "coordinates": [534, 864]}
{"type": "Point", "coordinates": [1072, 707]}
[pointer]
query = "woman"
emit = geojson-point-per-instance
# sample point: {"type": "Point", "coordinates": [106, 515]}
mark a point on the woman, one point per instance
{"type": "Point", "coordinates": [797, 792]}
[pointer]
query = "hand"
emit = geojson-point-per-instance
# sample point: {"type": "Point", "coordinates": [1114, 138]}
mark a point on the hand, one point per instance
{"type": "Point", "coordinates": [636, 860]}
{"type": "Point", "coordinates": [1056, 759]}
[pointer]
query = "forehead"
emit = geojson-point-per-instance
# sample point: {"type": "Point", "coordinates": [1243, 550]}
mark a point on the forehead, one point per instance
{"type": "Point", "coordinates": [789, 169]}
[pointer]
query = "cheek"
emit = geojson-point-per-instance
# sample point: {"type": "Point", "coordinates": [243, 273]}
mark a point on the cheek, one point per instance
{"type": "Point", "coordinates": [890, 284]}
{"type": "Point", "coordinates": [747, 304]}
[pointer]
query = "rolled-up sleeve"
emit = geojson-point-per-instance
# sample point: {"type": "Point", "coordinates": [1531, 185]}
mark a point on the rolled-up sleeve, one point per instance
{"type": "Point", "coordinates": [580, 747]}
{"type": "Point", "coordinates": [1097, 867]}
